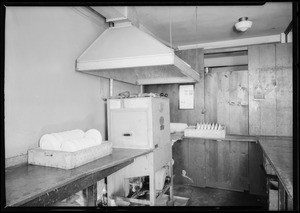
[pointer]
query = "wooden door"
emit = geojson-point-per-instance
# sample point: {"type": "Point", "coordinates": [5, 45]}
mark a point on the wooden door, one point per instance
{"type": "Point", "coordinates": [226, 102]}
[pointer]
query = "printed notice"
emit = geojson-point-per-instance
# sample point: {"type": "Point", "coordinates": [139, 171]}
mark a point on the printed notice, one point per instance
{"type": "Point", "coordinates": [186, 96]}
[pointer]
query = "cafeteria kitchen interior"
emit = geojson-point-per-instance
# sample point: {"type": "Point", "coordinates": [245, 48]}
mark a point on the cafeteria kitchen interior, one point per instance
{"type": "Point", "coordinates": [172, 106]}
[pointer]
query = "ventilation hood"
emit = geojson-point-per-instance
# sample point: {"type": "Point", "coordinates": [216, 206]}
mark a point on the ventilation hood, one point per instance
{"type": "Point", "coordinates": [128, 54]}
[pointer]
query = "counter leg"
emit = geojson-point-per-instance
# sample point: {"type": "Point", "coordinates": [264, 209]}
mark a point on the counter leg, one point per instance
{"type": "Point", "coordinates": [289, 203]}
{"type": "Point", "coordinates": [92, 195]}
{"type": "Point", "coordinates": [281, 197]}
{"type": "Point", "coordinates": [171, 202]}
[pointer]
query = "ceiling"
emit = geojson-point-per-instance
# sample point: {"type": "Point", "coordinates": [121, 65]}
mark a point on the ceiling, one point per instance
{"type": "Point", "coordinates": [190, 25]}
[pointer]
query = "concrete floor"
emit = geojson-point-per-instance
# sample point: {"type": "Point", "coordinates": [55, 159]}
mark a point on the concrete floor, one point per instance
{"type": "Point", "coordinates": [210, 197]}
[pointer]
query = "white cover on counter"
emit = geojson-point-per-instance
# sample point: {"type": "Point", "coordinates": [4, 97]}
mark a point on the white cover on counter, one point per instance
{"type": "Point", "coordinates": [71, 141]}
{"type": "Point", "coordinates": [178, 127]}
{"type": "Point", "coordinates": [50, 142]}
{"type": "Point", "coordinates": [94, 134]}
{"type": "Point", "coordinates": [69, 135]}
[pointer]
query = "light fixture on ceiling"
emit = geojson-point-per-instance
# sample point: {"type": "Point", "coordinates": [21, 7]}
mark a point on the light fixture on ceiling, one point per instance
{"type": "Point", "coordinates": [243, 24]}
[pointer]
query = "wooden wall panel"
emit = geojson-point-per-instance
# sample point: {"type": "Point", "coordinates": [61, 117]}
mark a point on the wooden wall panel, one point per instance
{"type": "Point", "coordinates": [218, 166]}
{"type": "Point", "coordinates": [197, 162]}
{"type": "Point", "coordinates": [284, 90]}
{"type": "Point", "coordinates": [210, 99]}
{"type": "Point", "coordinates": [223, 107]}
{"type": "Point", "coordinates": [231, 165]}
{"type": "Point", "coordinates": [189, 155]}
{"type": "Point", "coordinates": [193, 57]}
{"type": "Point", "coordinates": [227, 165]}
{"type": "Point", "coordinates": [239, 166]}
{"type": "Point", "coordinates": [254, 109]}
{"type": "Point", "coordinates": [186, 154]}
{"type": "Point", "coordinates": [257, 181]}
{"type": "Point", "coordinates": [238, 101]}
{"type": "Point", "coordinates": [230, 98]}
{"type": "Point", "coordinates": [270, 69]}
{"type": "Point", "coordinates": [226, 99]}
{"type": "Point", "coordinates": [180, 152]}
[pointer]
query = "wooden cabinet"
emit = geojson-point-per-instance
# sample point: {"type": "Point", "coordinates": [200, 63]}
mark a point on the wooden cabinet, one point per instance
{"type": "Point", "coordinates": [224, 164]}
{"type": "Point", "coordinates": [189, 162]}
{"type": "Point", "coordinates": [227, 165]}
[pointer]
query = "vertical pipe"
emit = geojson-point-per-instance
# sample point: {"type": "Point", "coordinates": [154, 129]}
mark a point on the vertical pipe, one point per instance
{"type": "Point", "coordinates": [141, 88]}
{"type": "Point", "coordinates": [111, 86]}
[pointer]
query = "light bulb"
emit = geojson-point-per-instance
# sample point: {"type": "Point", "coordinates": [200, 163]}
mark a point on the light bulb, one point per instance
{"type": "Point", "coordinates": [243, 24]}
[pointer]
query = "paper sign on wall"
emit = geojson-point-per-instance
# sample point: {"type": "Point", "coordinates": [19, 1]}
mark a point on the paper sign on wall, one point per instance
{"type": "Point", "coordinates": [186, 96]}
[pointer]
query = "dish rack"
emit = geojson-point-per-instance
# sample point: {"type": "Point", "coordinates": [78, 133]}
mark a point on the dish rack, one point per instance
{"type": "Point", "coordinates": [206, 131]}
{"type": "Point", "coordinates": [68, 160]}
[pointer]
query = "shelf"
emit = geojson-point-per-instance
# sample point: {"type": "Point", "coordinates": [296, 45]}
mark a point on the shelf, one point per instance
{"type": "Point", "coordinates": [134, 199]}
{"type": "Point", "coordinates": [120, 185]}
{"type": "Point", "coordinates": [136, 194]}
{"type": "Point", "coordinates": [239, 138]}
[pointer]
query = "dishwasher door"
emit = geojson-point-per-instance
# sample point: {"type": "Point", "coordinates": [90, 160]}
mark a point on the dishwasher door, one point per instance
{"type": "Point", "coordinates": [129, 128]}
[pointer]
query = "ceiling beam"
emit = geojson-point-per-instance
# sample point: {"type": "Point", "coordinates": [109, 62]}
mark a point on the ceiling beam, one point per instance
{"type": "Point", "coordinates": [225, 50]}
{"type": "Point", "coordinates": [91, 14]}
{"type": "Point", "coordinates": [112, 13]}
{"type": "Point", "coordinates": [230, 68]}
{"type": "Point", "coordinates": [233, 43]}
{"type": "Point", "coordinates": [226, 61]}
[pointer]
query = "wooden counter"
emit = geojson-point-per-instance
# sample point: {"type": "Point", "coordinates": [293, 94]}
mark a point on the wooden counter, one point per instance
{"type": "Point", "coordinates": [279, 152]}
{"type": "Point", "coordinates": [246, 138]}
{"type": "Point", "coordinates": [31, 185]}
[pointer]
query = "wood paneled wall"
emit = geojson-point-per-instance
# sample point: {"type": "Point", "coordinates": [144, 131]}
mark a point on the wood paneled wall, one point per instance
{"type": "Point", "coordinates": [189, 155]}
{"type": "Point", "coordinates": [226, 102]}
{"type": "Point", "coordinates": [193, 57]}
{"type": "Point", "coordinates": [226, 99]}
{"type": "Point", "coordinates": [226, 95]}
{"type": "Point", "coordinates": [257, 180]}
{"type": "Point", "coordinates": [227, 165]}
{"type": "Point", "coordinates": [270, 90]}
{"type": "Point", "coordinates": [232, 96]}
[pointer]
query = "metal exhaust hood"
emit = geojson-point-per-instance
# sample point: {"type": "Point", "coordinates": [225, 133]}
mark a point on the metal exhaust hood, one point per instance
{"type": "Point", "coordinates": [128, 54]}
